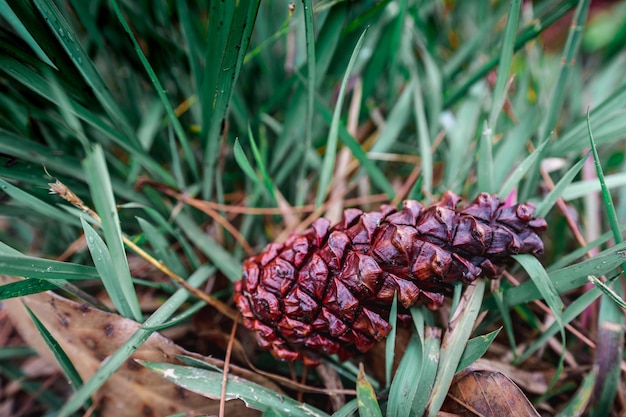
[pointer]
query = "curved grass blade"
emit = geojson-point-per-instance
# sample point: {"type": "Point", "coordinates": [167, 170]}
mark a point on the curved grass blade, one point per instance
{"type": "Point", "coordinates": [550, 295]}
{"type": "Point", "coordinates": [209, 384]}
{"type": "Point", "coordinates": [331, 143]}
{"type": "Point", "coordinates": [568, 278]}
{"type": "Point", "coordinates": [104, 201]}
{"type": "Point", "coordinates": [570, 313]}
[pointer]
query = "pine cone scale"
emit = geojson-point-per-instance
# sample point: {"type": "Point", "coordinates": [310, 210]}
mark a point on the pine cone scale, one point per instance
{"type": "Point", "coordinates": [329, 289]}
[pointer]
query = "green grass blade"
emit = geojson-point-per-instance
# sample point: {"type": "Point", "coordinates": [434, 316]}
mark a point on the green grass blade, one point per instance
{"type": "Point", "coordinates": [611, 317]}
{"type": "Point", "coordinates": [577, 405]}
{"type": "Point", "coordinates": [161, 247]}
{"type": "Point", "coordinates": [453, 345]}
{"type": "Point", "coordinates": [309, 29]}
{"type": "Point", "coordinates": [178, 128]}
{"type": "Point", "coordinates": [64, 34]}
{"type": "Point", "coordinates": [132, 344]}
{"type": "Point", "coordinates": [506, 56]}
{"type": "Point", "coordinates": [24, 287]}
{"type": "Point", "coordinates": [475, 349]}
{"type": "Point", "coordinates": [61, 357]}
{"type": "Point", "coordinates": [107, 271]}
{"type": "Point", "coordinates": [209, 384]}
{"type": "Point", "coordinates": [570, 313]}
{"type": "Point", "coordinates": [259, 161]}
{"type": "Point", "coordinates": [331, 143]}
{"type": "Point", "coordinates": [100, 186]}
{"type": "Point", "coordinates": [407, 379]}
{"type": "Point", "coordinates": [431, 361]}
{"type": "Point", "coordinates": [18, 25]}
{"type": "Point", "coordinates": [390, 342]}
{"type": "Point", "coordinates": [520, 171]}
{"type": "Point", "coordinates": [223, 260]}
{"type": "Point", "coordinates": [244, 163]}
{"type": "Point", "coordinates": [31, 267]}
{"type": "Point", "coordinates": [36, 204]}
{"type": "Point", "coordinates": [16, 352]}
{"type": "Point", "coordinates": [215, 100]}
{"type": "Point", "coordinates": [423, 135]}
{"type": "Point", "coordinates": [366, 398]}
{"type": "Point", "coordinates": [544, 207]}
{"type": "Point", "coordinates": [608, 291]}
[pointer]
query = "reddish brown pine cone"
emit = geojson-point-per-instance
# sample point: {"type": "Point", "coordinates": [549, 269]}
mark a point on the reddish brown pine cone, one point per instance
{"type": "Point", "coordinates": [330, 289]}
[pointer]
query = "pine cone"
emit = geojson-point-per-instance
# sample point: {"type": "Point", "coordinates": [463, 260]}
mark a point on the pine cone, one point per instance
{"type": "Point", "coordinates": [330, 289]}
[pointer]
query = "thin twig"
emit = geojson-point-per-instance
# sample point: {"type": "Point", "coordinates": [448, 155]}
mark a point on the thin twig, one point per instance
{"type": "Point", "coordinates": [229, 349]}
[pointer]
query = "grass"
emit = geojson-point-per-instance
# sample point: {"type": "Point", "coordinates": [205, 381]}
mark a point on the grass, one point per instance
{"type": "Point", "coordinates": [199, 133]}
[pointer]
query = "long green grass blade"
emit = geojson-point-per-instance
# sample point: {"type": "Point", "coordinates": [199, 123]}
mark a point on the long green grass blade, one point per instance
{"type": "Point", "coordinates": [32, 267]}
{"type": "Point", "coordinates": [83, 63]}
{"type": "Point", "coordinates": [209, 384]}
{"type": "Point", "coordinates": [219, 86]}
{"type": "Point", "coordinates": [504, 65]}
{"type": "Point", "coordinates": [407, 380]}
{"type": "Point", "coordinates": [18, 25]}
{"type": "Point", "coordinates": [331, 142]}
{"type": "Point", "coordinates": [611, 317]}
{"type": "Point", "coordinates": [25, 287]}
{"type": "Point", "coordinates": [61, 357]}
{"type": "Point", "coordinates": [99, 183]}
{"type": "Point", "coordinates": [178, 128]}
{"type": "Point", "coordinates": [546, 204]}
{"type": "Point", "coordinates": [453, 345]}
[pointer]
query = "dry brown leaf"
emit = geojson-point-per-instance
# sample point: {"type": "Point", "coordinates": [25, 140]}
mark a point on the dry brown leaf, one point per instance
{"type": "Point", "coordinates": [533, 382]}
{"type": "Point", "coordinates": [489, 394]}
{"type": "Point", "coordinates": [88, 336]}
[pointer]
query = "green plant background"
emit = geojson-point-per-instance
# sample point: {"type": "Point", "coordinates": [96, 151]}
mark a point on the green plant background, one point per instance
{"type": "Point", "coordinates": [248, 104]}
